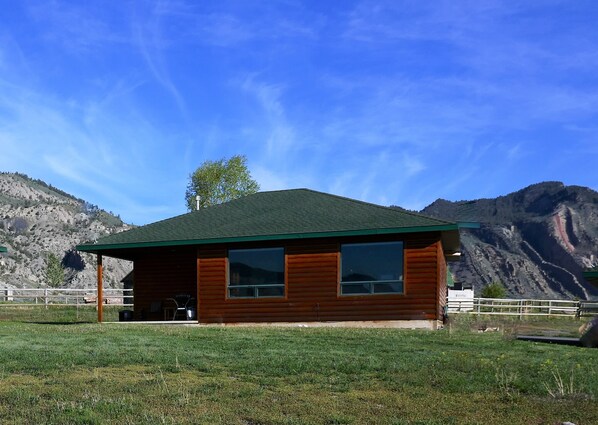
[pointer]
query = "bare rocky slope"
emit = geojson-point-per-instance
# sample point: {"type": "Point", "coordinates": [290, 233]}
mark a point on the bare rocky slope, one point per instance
{"type": "Point", "coordinates": [536, 241]}
{"type": "Point", "coordinates": [37, 219]}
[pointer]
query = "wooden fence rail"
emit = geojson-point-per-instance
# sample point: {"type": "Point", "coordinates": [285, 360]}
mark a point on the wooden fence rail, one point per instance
{"type": "Point", "coordinates": [523, 307]}
{"type": "Point", "coordinates": [65, 297]}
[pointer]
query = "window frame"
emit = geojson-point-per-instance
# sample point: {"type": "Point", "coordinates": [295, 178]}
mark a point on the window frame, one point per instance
{"type": "Point", "coordinates": [256, 287]}
{"type": "Point", "coordinates": [371, 283]}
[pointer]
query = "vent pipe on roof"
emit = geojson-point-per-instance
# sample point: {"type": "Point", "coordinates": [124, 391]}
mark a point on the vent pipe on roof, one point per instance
{"type": "Point", "coordinates": [197, 198]}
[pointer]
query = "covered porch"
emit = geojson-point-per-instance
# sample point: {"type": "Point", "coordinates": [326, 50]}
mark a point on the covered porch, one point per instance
{"type": "Point", "coordinates": [164, 282]}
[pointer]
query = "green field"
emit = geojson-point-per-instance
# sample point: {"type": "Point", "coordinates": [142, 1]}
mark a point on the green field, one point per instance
{"type": "Point", "coordinates": [55, 313]}
{"type": "Point", "coordinates": [88, 373]}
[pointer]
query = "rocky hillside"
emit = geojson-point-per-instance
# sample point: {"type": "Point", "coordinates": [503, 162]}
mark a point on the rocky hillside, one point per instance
{"type": "Point", "coordinates": [37, 220]}
{"type": "Point", "coordinates": [535, 241]}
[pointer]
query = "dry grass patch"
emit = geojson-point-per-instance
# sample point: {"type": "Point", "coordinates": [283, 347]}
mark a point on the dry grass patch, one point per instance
{"type": "Point", "coordinates": [87, 374]}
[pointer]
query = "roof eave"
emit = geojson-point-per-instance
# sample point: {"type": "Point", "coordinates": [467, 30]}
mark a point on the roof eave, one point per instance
{"type": "Point", "coordinates": [451, 240]}
{"type": "Point", "coordinates": [591, 276]}
{"type": "Point", "coordinates": [97, 248]}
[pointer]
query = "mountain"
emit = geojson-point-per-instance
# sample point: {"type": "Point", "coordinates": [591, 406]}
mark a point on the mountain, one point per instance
{"type": "Point", "coordinates": [36, 220]}
{"type": "Point", "coordinates": [536, 241]}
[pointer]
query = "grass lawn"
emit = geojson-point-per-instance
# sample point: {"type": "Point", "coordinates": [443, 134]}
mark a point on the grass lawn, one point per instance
{"type": "Point", "coordinates": [88, 373]}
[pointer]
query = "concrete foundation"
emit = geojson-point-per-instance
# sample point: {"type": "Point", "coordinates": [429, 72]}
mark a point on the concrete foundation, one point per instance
{"type": "Point", "coordinates": [390, 324]}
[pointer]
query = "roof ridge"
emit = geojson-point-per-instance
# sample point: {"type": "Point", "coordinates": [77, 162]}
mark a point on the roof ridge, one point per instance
{"type": "Point", "coordinates": [402, 211]}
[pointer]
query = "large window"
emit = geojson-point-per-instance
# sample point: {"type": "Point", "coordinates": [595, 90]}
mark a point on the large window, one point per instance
{"type": "Point", "coordinates": [372, 268]}
{"type": "Point", "coordinates": [256, 273]}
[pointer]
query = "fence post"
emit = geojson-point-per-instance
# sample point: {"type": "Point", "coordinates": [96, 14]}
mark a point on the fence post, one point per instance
{"type": "Point", "coordinates": [520, 309]}
{"type": "Point", "coordinates": [46, 297]}
{"type": "Point", "coordinates": [8, 295]}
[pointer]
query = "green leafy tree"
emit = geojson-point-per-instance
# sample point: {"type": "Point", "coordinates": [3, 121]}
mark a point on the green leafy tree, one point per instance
{"type": "Point", "coordinates": [494, 290]}
{"type": "Point", "coordinates": [54, 271]}
{"type": "Point", "coordinates": [220, 181]}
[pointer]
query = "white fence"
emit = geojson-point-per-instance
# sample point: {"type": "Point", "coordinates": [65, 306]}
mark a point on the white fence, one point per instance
{"type": "Point", "coordinates": [65, 297]}
{"type": "Point", "coordinates": [522, 307]}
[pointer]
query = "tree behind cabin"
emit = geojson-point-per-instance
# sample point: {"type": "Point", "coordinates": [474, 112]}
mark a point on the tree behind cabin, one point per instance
{"type": "Point", "coordinates": [220, 181]}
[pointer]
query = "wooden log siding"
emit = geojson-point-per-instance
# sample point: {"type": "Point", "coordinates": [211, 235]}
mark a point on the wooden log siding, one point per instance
{"type": "Point", "coordinates": [312, 286]}
{"type": "Point", "coordinates": [161, 274]}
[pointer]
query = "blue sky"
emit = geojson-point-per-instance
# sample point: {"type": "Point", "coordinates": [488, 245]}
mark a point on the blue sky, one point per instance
{"type": "Point", "coordinates": [392, 102]}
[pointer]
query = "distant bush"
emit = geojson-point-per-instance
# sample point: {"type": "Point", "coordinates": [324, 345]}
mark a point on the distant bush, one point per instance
{"type": "Point", "coordinates": [18, 225]}
{"type": "Point", "coordinates": [109, 219]}
{"type": "Point", "coordinates": [494, 290]}
{"type": "Point", "coordinates": [72, 260]}
{"type": "Point", "coordinates": [90, 209]}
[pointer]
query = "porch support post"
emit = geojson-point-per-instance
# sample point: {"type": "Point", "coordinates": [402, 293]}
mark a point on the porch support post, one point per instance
{"type": "Point", "coordinates": [198, 262]}
{"type": "Point", "coordinates": [100, 297]}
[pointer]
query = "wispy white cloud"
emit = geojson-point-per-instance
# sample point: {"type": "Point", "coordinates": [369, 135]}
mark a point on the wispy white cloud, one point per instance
{"type": "Point", "coordinates": [514, 152]}
{"type": "Point", "coordinates": [221, 30]}
{"type": "Point", "coordinates": [76, 28]}
{"type": "Point", "coordinates": [280, 134]}
{"type": "Point", "coordinates": [269, 179]}
{"type": "Point", "coordinates": [41, 139]}
{"type": "Point", "coordinates": [412, 166]}
{"type": "Point", "coordinates": [13, 60]}
{"type": "Point", "coordinates": [150, 40]}
{"type": "Point", "coordinates": [226, 26]}
{"type": "Point", "coordinates": [510, 51]}
{"type": "Point", "coordinates": [72, 145]}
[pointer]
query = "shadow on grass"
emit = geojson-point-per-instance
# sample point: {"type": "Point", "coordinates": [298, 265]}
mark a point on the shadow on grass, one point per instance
{"type": "Point", "coordinates": [59, 323]}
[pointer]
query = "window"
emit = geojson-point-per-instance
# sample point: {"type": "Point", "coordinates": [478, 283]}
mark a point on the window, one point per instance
{"type": "Point", "coordinates": [372, 268]}
{"type": "Point", "coordinates": [256, 273]}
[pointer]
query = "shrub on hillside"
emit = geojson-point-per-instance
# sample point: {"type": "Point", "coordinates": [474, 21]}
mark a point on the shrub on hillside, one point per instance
{"type": "Point", "coordinates": [494, 290]}
{"type": "Point", "coordinates": [72, 260]}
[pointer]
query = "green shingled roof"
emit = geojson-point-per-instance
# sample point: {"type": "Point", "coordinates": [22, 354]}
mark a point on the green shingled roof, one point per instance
{"type": "Point", "coordinates": [2, 249]}
{"type": "Point", "coordinates": [285, 214]}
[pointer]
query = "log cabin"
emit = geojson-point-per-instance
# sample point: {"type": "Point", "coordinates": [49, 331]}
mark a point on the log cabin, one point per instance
{"type": "Point", "coordinates": [287, 256]}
